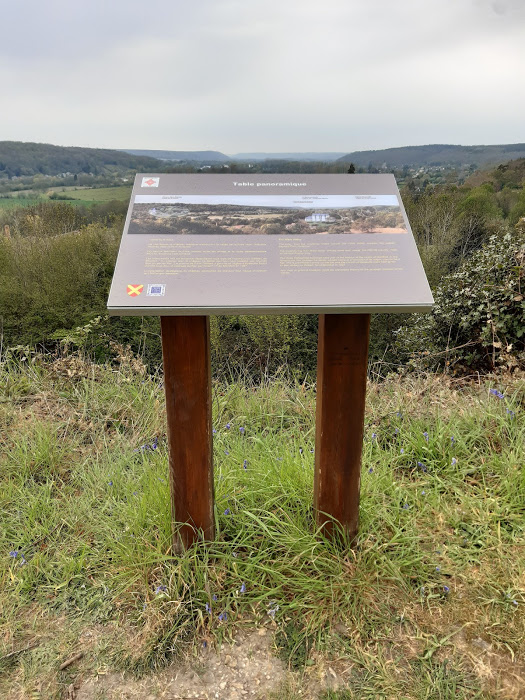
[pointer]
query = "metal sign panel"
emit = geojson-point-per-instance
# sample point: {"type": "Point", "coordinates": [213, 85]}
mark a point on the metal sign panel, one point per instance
{"type": "Point", "coordinates": [259, 244]}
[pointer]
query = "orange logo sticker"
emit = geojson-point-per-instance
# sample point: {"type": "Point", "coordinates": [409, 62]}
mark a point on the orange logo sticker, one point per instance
{"type": "Point", "coordinates": [134, 289]}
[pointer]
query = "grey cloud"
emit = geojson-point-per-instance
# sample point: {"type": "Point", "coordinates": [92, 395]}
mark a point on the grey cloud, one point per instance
{"type": "Point", "coordinates": [262, 74]}
{"type": "Point", "coordinates": [499, 8]}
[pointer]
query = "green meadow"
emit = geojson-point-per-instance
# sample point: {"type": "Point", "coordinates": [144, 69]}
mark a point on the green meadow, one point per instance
{"type": "Point", "coordinates": [100, 194]}
{"type": "Point", "coordinates": [12, 202]}
{"type": "Point", "coordinates": [85, 196]}
{"type": "Point", "coordinates": [428, 603]}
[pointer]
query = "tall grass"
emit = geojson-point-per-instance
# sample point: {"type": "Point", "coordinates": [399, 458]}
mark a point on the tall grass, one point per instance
{"type": "Point", "coordinates": [85, 528]}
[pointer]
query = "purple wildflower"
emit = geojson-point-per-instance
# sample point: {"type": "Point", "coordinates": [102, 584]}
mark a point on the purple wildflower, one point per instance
{"type": "Point", "coordinates": [454, 461]}
{"type": "Point", "coordinates": [227, 511]}
{"type": "Point", "coordinates": [147, 446]}
{"type": "Point", "coordinates": [242, 589]}
{"type": "Point", "coordinates": [402, 451]}
{"type": "Point", "coordinates": [370, 470]}
{"type": "Point", "coordinates": [223, 617]}
{"type": "Point", "coordinates": [214, 598]}
{"type": "Point", "coordinates": [496, 393]}
{"type": "Point", "coordinates": [272, 608]}
{"type": "Point", "coordinates": [110, 483]}
{"type": "Point", "coordinates": [245, 464]}
{"type": "Point", "coordinates": [425, 435]}
{"type": "Point", "coordinates": [241, 430]}
{"type": "Point", "coordinates": [208, 608]}
{"type": "Point", "coordinates": [446, 590]}
{"type": "Point", "coordinates": [160, 589]}
{"type": "Point", "coordinates": [228, 426]}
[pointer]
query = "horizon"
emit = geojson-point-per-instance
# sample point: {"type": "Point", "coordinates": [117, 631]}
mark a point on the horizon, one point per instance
{"type": "Point", "coordinates": [271, 152]}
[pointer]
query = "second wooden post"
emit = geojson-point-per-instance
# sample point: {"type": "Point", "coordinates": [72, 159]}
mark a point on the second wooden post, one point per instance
{"type": "Point", "coordinates": [341, 388]}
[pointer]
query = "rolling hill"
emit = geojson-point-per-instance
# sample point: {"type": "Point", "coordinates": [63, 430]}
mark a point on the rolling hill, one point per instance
{"type": "Point", "coordinates": [19, 158]}
{"type": "Point", "coordinates": [436, 155]}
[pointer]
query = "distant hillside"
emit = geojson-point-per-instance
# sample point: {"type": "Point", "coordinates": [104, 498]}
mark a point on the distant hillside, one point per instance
{"type": "Point", "coordinates": [18, 159]}
{"type": "Point", "coordinates": [328, 156]}
{"type": "Point", "coordinates": [436, 155]}
{"type": "Point", "coordinates": [511, 174]}
{"type": "Point", "coordinates": [196, 156]}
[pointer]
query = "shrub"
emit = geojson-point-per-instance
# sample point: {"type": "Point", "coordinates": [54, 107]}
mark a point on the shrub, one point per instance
{"type": "Point", "coordinates": [478, 322]}
{"type": "Point", "coordinates": [258, 345]}
{"type": "Point", "coordinates": [48, 283]}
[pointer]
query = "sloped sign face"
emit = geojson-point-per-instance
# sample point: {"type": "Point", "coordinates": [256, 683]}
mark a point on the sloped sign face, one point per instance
{"type": "Point", "coordinates": [259, 244]}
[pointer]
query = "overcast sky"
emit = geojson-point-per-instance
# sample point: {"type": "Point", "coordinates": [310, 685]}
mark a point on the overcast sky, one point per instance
{"type": "Point", "coordinates": [262, 75]}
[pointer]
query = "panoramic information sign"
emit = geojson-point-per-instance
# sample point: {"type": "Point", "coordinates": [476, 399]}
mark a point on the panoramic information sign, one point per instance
{"type": "Point", "coordinates": [229, 244]}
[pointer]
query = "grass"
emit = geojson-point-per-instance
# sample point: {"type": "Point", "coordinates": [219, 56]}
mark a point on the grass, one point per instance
{"type": "Point", "coordinates": [10, 202]}
{"type": "Point", "coordinates": [100, 194]}
{"type": "Point", "coordinates": [83, 197]}
{"type": "Point", "coordinates": [437, 575]}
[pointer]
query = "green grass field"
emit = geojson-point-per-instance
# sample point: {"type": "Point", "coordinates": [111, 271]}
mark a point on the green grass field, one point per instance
{"type": "Point", "coordinates": [429, 604]}
{"type": "Point", "coordinates": [102, 194]}
{"type": "Point", "coordinates": [81, 196]}
{"type": "Point", "coordinates": [10, 202]}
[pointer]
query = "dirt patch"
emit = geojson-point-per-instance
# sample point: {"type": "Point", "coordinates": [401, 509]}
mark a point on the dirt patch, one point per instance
{"type": "Point", "coordinates": [246, 669]}
{"type": "Point", "coordinates": [496, 670]}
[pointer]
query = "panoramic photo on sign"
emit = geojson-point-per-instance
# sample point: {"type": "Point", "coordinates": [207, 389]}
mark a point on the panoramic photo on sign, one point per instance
{"type": "Point", "coordinates": [205, 244]}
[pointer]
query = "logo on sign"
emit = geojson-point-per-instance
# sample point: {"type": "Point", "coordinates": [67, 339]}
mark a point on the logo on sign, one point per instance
{"type": "Point", "coordinates": [134, 289]}
{"type": "Point", "coordinates": [156, 290]}
{"type": "Point", "coordinates": [150, 181]}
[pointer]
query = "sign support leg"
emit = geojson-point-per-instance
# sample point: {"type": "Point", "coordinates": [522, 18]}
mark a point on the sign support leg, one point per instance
{"type": "Point", "coordinates": [340, 412]}
{"type": "Point", "coordinates": [187, 383]}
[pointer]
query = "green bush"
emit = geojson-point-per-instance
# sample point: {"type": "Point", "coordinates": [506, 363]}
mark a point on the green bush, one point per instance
{"type": "Point", "coordinates": [48, 283]}
{"type": "Point", "coordinates": [259, 345]}
{"type": "Point", "coordinates": [478, 322]}
{"type": "Point", "coordinates": [43, 220]}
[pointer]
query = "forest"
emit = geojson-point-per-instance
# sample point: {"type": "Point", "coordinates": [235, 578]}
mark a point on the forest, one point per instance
{"type": "Point", "coordinates": [18, 159]}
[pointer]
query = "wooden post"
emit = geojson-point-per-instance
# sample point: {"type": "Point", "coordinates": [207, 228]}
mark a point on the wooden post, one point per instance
{"type": "Point", "coordinates": [187, 383]}
{"type": "Point", "coordinates": [340, 412]}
